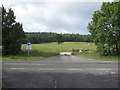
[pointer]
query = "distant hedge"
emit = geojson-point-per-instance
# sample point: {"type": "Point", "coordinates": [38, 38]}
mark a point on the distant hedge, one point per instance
{"type": "Point", "coordinates": [41, 37]}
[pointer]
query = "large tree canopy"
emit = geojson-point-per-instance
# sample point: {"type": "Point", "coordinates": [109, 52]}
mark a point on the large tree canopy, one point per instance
{"type": "Point", "coordinates": [12, 33]}
{"type": "Point", "coordinates": [105, 28]}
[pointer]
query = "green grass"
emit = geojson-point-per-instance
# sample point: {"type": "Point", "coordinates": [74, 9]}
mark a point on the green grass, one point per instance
{"type": "Point", "coordinates": [33, 55]}
{"type": "Point", "coordinates": [95, 55]}
{"type": "Point", "coordinates": [48, 49]}
{"type": "Point", "coordinates": [52, 49]}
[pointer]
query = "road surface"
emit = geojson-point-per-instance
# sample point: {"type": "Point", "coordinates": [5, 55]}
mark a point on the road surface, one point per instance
{"type": "Point", "coordinates": [60, 72]}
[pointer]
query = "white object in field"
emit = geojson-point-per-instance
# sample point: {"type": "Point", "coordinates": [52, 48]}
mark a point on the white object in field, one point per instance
{"type": "Point", "coordinates": [80, 51]}
{"type": "Point", "coordinates": [65, 53]}
{"type": "Point", "coordinates": [27, 47]}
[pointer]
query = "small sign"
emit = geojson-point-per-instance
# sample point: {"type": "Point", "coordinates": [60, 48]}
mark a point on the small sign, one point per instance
{"type": "Point", "coordinates": [28, 43]}
{"type": "Point", "coordinates": [28, 47]}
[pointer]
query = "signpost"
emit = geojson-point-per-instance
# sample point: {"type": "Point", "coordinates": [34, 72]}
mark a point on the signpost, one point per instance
{"type": "Point", "coordinates": [28, 43]}
{"type": "Point", "coordinates": [28, 47]}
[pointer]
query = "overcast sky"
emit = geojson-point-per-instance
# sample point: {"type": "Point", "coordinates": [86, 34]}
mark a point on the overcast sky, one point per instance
{"type": "Point", "coordinates": [57, 16]}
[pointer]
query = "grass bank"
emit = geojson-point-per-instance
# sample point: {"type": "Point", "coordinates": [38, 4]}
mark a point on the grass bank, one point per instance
{"type": "Point", "coordinates": [95, 55]}
{"type": "Point", "coordinates": [33, 55]}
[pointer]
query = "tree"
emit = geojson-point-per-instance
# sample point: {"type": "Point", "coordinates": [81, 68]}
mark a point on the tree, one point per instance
{"type": "Point", "coordinates": [105, 28]}
{"type": "Point", "coordinates": [12, 33]}
{"type": "Point", "coordinates": [59, 38]}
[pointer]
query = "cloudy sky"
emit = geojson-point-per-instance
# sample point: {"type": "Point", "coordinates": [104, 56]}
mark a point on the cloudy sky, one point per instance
{"type": "Point", "coordinates": [54, 16]}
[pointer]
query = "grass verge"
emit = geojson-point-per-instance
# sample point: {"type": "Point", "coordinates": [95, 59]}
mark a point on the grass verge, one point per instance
{"type": "Point", "coordinates": [33, 55]}
{"type": "Point", "coordinates": [95, 55]}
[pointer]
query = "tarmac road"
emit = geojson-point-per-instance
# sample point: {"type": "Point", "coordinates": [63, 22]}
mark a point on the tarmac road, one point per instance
{"type": "Point", "coordinates": [60, 72]}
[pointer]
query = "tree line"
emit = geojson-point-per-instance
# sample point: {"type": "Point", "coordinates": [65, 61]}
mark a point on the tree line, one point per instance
{"type": "Point", "coordinates": [40, 37]}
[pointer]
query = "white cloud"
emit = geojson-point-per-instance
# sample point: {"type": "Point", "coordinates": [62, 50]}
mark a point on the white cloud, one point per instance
{"type": "Point", "coordinates": [59, 1]}
{"type": "Point", "coordinates": [65, 31]}
{"type": "Point", "coordinates": [35, 27]}
{"type": "Point", "coordinates": [56, 16]}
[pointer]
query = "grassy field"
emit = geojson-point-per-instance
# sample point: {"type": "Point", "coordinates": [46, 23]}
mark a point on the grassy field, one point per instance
{"type": "Point", "coordinates": [52, 49]}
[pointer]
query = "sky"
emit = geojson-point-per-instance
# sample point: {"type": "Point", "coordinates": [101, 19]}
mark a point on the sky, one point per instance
{"type": "Point", "coordinates": [58, 16]}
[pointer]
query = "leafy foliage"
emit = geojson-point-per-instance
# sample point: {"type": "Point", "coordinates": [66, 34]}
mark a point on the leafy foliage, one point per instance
{"type": "Point", "coordinates": [105, 29]}
{"type": "Point", "coordinates": [12, 33]}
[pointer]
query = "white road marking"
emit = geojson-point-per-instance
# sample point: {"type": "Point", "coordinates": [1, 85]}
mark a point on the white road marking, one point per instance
{"type": "Point", "coordinates": [46, 69]}
{"type": "Point", "coordinates": [69, 69]}
{"type": "Point", "coordinates": [60, 69]}
{"type": "Point", "coordinates": [74, 69]}
{"type": "Point", "coordinates": [113, 73]}
{"type": "Point", "coordinates": [17, 68]}
{"type": "Point", "coordinates": [55, 84]}
{"type": "Point", "coordinates": [103, 69]}
{"type": "Point", "coordinates": [25, 64]}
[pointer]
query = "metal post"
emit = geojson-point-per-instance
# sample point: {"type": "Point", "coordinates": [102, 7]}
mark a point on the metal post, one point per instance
{"type": "Point", "coordinates": [28, 51]}
{"type": "Point", "coordinates": [28, 47]}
